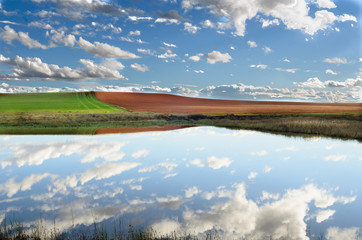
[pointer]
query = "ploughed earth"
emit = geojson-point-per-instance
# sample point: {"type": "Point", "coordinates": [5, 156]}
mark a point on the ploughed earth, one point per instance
{"type": "Point", "coordinates": [166, 103]}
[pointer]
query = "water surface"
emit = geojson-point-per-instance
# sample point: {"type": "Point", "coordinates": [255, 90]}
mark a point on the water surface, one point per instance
{"type": "Point", "coordinates": [240, 183]}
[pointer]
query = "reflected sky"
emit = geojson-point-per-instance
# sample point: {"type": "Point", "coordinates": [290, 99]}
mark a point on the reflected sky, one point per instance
{"type": "Point", "coordinates": [241, 183]}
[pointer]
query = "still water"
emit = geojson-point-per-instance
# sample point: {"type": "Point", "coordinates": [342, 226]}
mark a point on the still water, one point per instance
{"type": "Point", "coordinates": [240, 183]}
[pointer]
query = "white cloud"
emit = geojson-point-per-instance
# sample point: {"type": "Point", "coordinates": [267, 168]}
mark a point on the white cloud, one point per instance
{"type": "Point", "coordinates": [60, 37]}
{"type": "Point", "coordinates": [336, 60]}
{"type": "Point", "coordinates": [139, 67]}
{"type": "Point", "coordinates": [134, 33]}
{"type": "Point", "coordinates": [113, 64]}
{"type": "Point", "coordinates": [167, 54]}
{"type": "Point", "coordinates": [192, 191]}
{"type": "Point", "coordinates": [323, 215]}
{"type": "Point", "coordinates": [252, 44]}
{"type": "Point", "coordinates": [38, 24]}
{"type": "Point", "coordinates": [9, 35]}
{"type": "Point", "coordinates": [207, 24]}
{"type": "Point", "coordinates": [267, 22]}
{"type": "Point", "coordinates": [169, 45]}
{"type": "Point", "coordinates": [252, 175]}
{"type": "Point", "coordinates": [286, 60]}
{"type": "Point", "coordinates": [140, 153]}
{"type": "Point", "coordinates": [330, 71]}
{"type": "Point", "coordinates": [325, 4]}
{"type": "Point", "coordinates": [136, 18]}
{"type": "Point", "coordinates": [216, 56]}
{"type": "Point", "coordinates": [289, 70]}
{"type": "Point", "coordinates": [311, 83]}
{"type": "Point", "coordinates": [261, 66]}
{"type": "Point", "coordinates": [336, 233]}
{"type": "Point", "coordinates": [32, 68]}
{"type": "Point", "coordinates": [196, 58]}
{"type": "Point", "coordinates": [199, 71]}
{"type": "Point", "coordinates": [107, 170]}
{"type": "Point", "coordinates": [267, 50]}
{"type": "Point", "coordinates": [146, 51]}
{"type": "Point", "coordinates": [336, 158]}
{"type": "Point", "coordinates": [190, 28]}
{"type": "Point", "coordinates": [105, 50]}
{"type": "Point", "coordinates": [267, 169]}
{"type": "Point", "coordinates": [294, 14]}
{"type": "Point", "coordinates": [269, 196]}
{"type": "Point", "coordinates": [316, 83]}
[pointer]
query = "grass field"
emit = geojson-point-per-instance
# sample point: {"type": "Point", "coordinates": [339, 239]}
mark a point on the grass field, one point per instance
{"type": "Point", "coordinates": [83, 102]}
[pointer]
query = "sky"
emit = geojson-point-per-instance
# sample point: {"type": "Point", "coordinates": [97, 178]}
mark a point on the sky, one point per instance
{"type": "Point", "coordinates": [287, 50]}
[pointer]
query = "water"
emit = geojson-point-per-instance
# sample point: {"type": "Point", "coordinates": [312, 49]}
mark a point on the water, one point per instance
{"type": "Point", "coordinates": [240, 183]}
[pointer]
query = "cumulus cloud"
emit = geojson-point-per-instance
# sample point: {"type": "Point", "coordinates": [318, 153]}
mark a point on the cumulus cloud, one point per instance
{"type": "Point", "coordinates": [289, 70]}
{"type": "Point", "coordinates": [267, 22]}
{"type": "Point", "coordinates": [207, 24]}
{"type": "Point", "coordinates": [252, 175]}
{"type": "Point", "coordinates": [336, 60]}
{"type": "Point", "coordinates": [9, 35]}
{"type": "Point", "coordinates": [139, 67]}
{"type": "Point", "coordinates": [105, 50]}
{"type": "Point", "coordinates": [294, 14]}
{"type": "Point", "coordinates": [216, 56]}
{"type": "Point", "coordinates": [252, 44]}
{"type": "Point", "coordinates": [169, 44]}
{"type": "Point", "coordinates": [34, 68]}
{"type": "Point", "coordinates": [330, 71]}
{"type": "Point", "coordinates": [190, 192]}
{"type": "Point", "coordinates": [261, 66]}
{"type": "Point", "coordinates": [267, 50]}
{"type": "Point", "coordinates": [325, 4]}
{"type": "Point", "coordinates": [134, 33]}
{"type": "Point", "coordinates": [336, 233]}
{"type": "Point", "coordinates": [190, 28]}
{"type": "Point", "coordinates": [323, 215]}
{"type": "Point", "coordinates": [316, 83]}
{"type": "Point", "coordinates": [61, 37]}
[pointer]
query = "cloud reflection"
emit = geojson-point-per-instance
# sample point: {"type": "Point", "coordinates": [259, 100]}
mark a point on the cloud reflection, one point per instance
{"type": "Point", "coordinates": [242, 217]}
{"type": "Point", "coordinates": [37, 153]}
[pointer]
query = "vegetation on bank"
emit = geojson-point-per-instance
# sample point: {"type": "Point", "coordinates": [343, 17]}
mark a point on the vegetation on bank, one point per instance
{"type": "Point", "coordinates": [345, 126]}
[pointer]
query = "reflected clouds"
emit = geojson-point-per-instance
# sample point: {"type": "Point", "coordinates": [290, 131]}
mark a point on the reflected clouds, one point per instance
{"type": "Point", "coordinates": [242, 217]}
{"type": "Point", "coordinates": [37, 153]}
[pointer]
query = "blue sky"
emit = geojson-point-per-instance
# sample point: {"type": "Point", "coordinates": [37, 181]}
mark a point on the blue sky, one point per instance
{"type": "Point", "coordinates": [299, 50]}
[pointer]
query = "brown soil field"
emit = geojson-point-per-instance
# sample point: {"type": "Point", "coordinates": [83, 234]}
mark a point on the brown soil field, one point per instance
{"type": "Point", "coordinates": [166, 103]}
{"type": "Point", "coordinates": [141, 129]}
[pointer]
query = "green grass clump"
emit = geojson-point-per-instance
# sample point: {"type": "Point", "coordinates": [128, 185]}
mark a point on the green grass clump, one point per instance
{"type": "Point", "coordinates": [84, 102]}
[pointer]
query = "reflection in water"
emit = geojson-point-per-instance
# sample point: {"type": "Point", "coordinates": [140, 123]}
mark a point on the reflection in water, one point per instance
{"type": "Point", "coordinates": [239, 183]}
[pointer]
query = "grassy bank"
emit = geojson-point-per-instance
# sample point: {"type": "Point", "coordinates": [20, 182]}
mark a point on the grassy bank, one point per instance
{"type": "Point", "coordinates": [345, 126]}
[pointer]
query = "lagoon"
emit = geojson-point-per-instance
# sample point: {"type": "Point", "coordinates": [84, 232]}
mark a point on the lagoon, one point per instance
{"type": "Point", "coordinates": [240, 184]}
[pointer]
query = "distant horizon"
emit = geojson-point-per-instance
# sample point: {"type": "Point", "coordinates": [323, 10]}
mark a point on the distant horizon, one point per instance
{"type": "Point", "coordinates": [294, 50]}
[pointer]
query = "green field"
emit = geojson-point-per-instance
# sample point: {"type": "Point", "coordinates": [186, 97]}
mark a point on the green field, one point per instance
{"type": "Point", "coordinates": [81, 102]}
